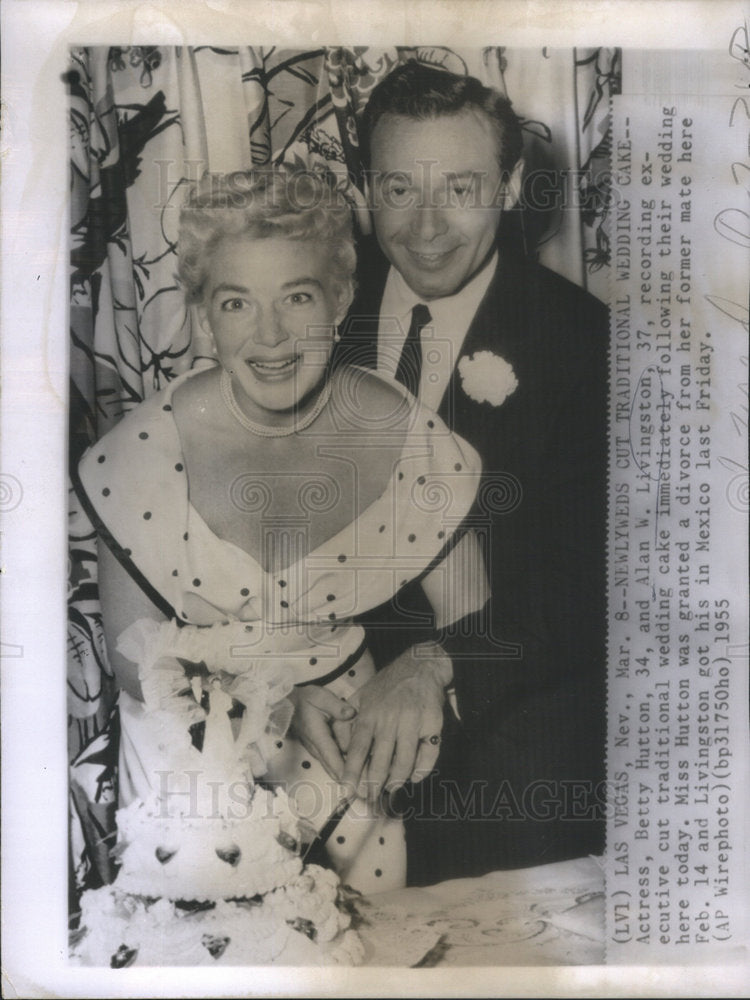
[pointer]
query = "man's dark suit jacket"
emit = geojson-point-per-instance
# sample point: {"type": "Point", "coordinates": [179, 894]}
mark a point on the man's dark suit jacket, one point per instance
{"type": "Point", "coordinates": [519, 781]}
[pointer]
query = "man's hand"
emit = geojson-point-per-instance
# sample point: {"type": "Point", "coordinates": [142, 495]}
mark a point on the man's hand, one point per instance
{"type": "Point", "coordinates": [315, 709]}
{"type": "Point", "coordinates": [400, 708]}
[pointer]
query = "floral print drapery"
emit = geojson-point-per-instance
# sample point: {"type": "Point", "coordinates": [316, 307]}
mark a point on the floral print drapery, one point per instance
{"type": "Point", "coordinates": [145, 122]}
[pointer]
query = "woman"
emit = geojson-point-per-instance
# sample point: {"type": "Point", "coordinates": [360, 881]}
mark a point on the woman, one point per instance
{"type": "Point", "coordinates": [250, 511]}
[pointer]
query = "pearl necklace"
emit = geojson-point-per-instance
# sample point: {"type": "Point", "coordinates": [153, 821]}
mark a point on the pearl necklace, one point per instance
{"type": "Point", "coordinates": [266, 430]}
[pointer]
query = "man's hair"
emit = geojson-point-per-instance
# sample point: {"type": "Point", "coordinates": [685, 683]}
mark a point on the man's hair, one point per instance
{"type": "Point", "coordinates": [417, 91]}
{"type": "Point", "coordinates": [279, 201]}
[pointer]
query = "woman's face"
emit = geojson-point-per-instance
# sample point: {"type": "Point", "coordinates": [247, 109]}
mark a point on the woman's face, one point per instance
{"type": "Point", "coordinates": [272, 306]}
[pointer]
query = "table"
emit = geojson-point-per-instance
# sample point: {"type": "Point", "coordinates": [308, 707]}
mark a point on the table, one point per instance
{"type": "Point", "coordinates": [548, 915]}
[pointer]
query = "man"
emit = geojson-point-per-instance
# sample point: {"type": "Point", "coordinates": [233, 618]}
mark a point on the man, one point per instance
{"type": "Point", "coordinates": [513, 358]}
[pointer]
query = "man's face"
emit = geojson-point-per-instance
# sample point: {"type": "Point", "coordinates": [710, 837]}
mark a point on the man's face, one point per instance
{"type": "Point", "coordinates": [436, 197]}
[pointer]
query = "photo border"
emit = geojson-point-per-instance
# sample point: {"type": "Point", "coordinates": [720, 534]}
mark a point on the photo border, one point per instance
{"type": "Point", "coordinates": [35, 38]}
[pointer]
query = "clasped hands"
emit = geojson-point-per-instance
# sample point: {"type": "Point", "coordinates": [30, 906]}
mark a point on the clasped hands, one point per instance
{"type": "Point", "coordinates": [380, 738]}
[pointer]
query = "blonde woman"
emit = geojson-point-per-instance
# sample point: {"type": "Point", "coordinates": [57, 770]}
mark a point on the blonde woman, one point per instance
{"type": "Point", "coordinates": [249, 512]}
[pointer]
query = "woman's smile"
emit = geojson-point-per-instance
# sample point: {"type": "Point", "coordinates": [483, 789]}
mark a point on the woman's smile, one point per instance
{"type": "Point", "coordinates": [275, 370]}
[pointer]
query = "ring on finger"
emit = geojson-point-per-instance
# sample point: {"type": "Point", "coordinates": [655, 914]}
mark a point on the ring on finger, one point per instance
{"type": "Point", "coordinates": [434, 740]}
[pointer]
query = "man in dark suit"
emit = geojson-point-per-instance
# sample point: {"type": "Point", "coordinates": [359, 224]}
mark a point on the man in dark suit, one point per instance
{"type": "Point", "coordinates": [514, 359]}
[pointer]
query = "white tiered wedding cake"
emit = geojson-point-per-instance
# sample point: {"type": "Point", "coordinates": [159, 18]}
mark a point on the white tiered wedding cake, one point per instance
{"type": "Point", "coordinates": [210, 866]}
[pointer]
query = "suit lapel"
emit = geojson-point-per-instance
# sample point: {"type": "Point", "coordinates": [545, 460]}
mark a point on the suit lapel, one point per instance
{"type": "Point", "coordinates": [501, 326]}
{"type": "Point", "coordinates": [457, 409]}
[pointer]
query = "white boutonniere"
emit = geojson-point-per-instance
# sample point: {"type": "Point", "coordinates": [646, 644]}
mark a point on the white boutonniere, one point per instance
{"type": "Point", "coordinates": [487, 378]}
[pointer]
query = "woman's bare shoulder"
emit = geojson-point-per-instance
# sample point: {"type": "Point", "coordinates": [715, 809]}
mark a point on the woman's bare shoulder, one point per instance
{"type": "Point", "coordinates": [197, 402]}
{"type": "Point", "coordinates": [195, 390]}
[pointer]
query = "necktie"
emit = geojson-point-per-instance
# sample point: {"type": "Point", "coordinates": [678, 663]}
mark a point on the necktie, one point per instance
{"type": "Point", "coordinates": [410, 363]}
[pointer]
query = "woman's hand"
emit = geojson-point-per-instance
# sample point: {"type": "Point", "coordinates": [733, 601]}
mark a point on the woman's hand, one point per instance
{"type": "Point", "coordinates": [315, 710]}
{"type": "Point", "coordinates": [400, 708]}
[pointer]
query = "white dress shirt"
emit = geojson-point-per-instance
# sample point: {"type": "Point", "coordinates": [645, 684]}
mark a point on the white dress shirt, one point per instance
{"type": "Point", "coordinates": [441, 340]}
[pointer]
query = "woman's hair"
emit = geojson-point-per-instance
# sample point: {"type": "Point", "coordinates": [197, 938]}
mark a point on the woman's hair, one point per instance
{"type": "Point", "coordinates": [279, 201]}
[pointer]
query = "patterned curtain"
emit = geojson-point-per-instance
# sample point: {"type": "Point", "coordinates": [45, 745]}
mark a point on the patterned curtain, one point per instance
{"type": "Point", "coordinates": [145, 122]}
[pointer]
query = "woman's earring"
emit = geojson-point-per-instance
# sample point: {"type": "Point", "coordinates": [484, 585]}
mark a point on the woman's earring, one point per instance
{"type": "Point", "coordinates": [336, 337]}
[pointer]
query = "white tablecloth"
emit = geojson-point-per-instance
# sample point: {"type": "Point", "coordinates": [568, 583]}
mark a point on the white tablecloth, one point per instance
{"type": "Point", "coordinates": [548, 915]}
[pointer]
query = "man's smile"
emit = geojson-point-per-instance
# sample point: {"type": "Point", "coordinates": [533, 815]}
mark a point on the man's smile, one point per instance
{"type": "Point", "coordinates": [427, 259]}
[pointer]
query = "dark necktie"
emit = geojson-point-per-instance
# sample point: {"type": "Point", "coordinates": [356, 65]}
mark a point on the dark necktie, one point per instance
{"type": "Point", "coordinates": [410, 363]}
